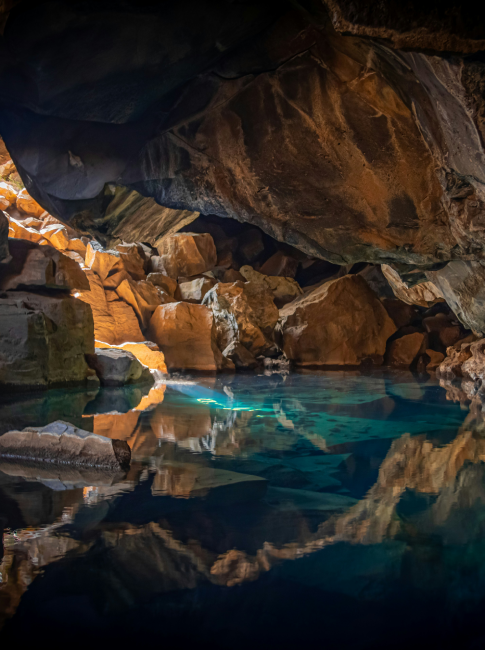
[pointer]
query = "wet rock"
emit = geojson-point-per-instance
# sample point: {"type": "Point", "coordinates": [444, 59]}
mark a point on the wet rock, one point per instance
{"type": "Point", "coordinates": [26, 203]}
{"type": "Point", "coordinates": [244, 313]}
{"type": "Point", "coordinates": [40, 266]}
{"type": "Point", "coordinates": [168, 284]}
{"type": "Point", "coordinates": [404, 351]}
{"type": "Point", "coordinates": [147, 353]}
{"type": "Point", "coordinates": [116, 367]}
{"type": "Point", "coordinates": [187, 254]}
{"type": "Point", "coordinates": [62, 443]}
{"type": "Point", "coordinates": [43, 340]}
{"type": "Point", "coordinates": [133, 262]}
{"type": "Point", "coordinates": [435, 360]}
{"type": "Point", "coordinates": [284, 290]}
{"type": "Point", "coordinates": [186, 335]}
{"type": "Point", "coordinates": [424, 294]}
{"type": "Point", "coordinates": [195, 290]}
{"type": "Point", "coordinates": [280, 264]}
{"type": "Point", "coordinates": [340, 323]}
{"type": "Point", "coordinates": [401, 313]}
{"type": "Point", "coordinates": [3, 237]}
{"type": "Point", "coordinates": [240, 356]}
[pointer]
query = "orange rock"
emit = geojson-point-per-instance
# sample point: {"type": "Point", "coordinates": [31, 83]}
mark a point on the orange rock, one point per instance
{"type": "Point", "coordinates": [402, 352]}
{"type": "Point", "coordinates": [56, 236]}
{"type": "Point", "coordinates": [77, 246]}
{"type": "Point", "coordinates": [186, 336]}
{"type": "Point", "coordinates": [153, 359]}
{"type": "Point", "coordinates": [435, 359]}
{"type": "Point", "coordinates": [18, 230]}
{"type": "Point", "coordinates": [133, 262]}
{"type": "Point", "coordinates": [126, 323]}
{"type": "Point", "coordinates": [8, 193]}
{"type": "Point", "coordinates": [187, 254]}
{"type": "Point", "coordinates": [102, 262]}
{"type": "Point", "coordinates": [164, 281]}
{"type": "Point", "coordinates": [119, 426]}
{"type": "Point", "coordinates": [4, 204]}
{"type": "Point", "coordinates": [26, 203]}
{"type": "Point", "coordinates": [195, 290]}
{"type": "Point", "coordinates": [231, 275]}
{"type": "Point", "coordinates": [32, 222]}
{"type": "Point", "coordinates": [154, 397]}
{"type": "Point", "coordinates": [114, 280]}
{"type": "Point", "coordinates": [104, 325]}
{"type": "Point", "coordinates": [49, 220]}
{"type": "Point", "coordinates": [144, 297]}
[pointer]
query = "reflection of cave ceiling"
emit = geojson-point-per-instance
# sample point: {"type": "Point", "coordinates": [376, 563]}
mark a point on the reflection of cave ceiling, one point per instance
{"type": "Point", "coordinates": [337, 142]}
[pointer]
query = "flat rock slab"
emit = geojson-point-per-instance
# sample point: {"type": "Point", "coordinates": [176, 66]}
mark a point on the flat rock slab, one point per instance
{"type": "Point", "coordinates": [62, 443]}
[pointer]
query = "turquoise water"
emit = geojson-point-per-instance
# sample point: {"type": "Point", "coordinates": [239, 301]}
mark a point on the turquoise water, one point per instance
{"type": "Point", "coordinates": [338, 509]}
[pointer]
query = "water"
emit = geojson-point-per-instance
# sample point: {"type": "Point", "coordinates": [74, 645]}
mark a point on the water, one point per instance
{"type": "Point", "coordinates": [339, 510]}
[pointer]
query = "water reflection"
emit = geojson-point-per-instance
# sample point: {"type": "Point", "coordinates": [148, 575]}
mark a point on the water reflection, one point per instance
{"type": "Point", "coordinates": [320, 507]}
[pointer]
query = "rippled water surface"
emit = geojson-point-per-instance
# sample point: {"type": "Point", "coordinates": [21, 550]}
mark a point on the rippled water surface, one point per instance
{"type": "Point", "coordinates": [335, 510]}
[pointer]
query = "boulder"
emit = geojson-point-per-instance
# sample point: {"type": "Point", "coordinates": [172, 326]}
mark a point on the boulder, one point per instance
{"type": "Point", "coordinates": [143, 297]}
{"type": "Point", "coordinates": [103, 262]}
{"type": "Point", "coordinates": [340, 323]}
{"type": "Point", "coordinates": [240, 356]}
{"type": "Point", "coordinates": [25, 203]}
{"type": "Point", "coordinates": [424, 294]}
{"type": "Point", "coordinates": [231, 275]}
{"type": "Point", "coordinates": [186, 335]}
{"type": "Point", "coordinates": [19, 230]}
{"type": "Point", "coordinates": [186, 254]}
{"type": "Point", "coordinates": [3, 236]}
{"type": "Point", "coordinates": [116, 367]}
{"type": "Point", "coordinates": [147, 353]}
{"type": "Point", "coordinates": [40, 266]}
{"type": "Point", "coordinates": [195, 290]}
{"type": "Point", "coordinates": [8, 193]}
{"type": "Point", "coordinates": [404, 351]}
{"type": "Point", "coordinates": [44, 340]}
{"type": "Point", "coordinates": [61, 442]}
{"type": "Point", "coordinates": [133, 262]}
{"type": "Point", "coordinates": [56, 235]}
{"type": "Point", "coordinates": [280, 264]}
{"type": "Point", "coordinates": [169, 285]}
{"type": "Point", "coordinates": [401, 313]}
{"type": "Point", "coordinates": [284, 290]}
{"type": "Point", "coordinates": [435, 359]}
{"type": "Point", "coordinates": [244, 313]}
{"type": "Point", "coordinates": [77, 246]}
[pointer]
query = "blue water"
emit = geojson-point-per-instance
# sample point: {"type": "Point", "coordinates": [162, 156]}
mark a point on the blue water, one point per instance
{"type": "Point", "coordinates": [335, 509]}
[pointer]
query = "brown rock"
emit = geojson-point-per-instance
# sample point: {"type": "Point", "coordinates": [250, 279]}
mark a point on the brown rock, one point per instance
{"type": "Point", "coordinates": [240, 356]}
{"type": "Point", "coordinates": [116, 367]}
{"type": "Point", "coordinates": [187, 254]}
{"type": "Point", "coordinates": [60, 442]}
{"type": "Point", "coordinates": [115, 278]}
{"type": "Point", "coordinates": [147, 353]}
{"type": "Point", "coordinates": [280, 264]}
{"type": "Point", "coordinates": [424, 294]}
{"type": "Point", "coordinates": [403, 351]}
{"type": "Point", "coordinates": [195, 290]}
{"type": "Point", "coordinates": [474, 367]}
{"type": "Point", "coordinates": [340, 323]}
{"type": "Point", "coordinates": [284, 290]}
{"type": "Point", "coordinates": [26, 203]}
{"type": "Point", "coordinates": [40, 266]}
{"type": "Point", "coordinates": [401, 313]}
{"type": "Point", "coordinates": [144, 297]}
{"type": "Point", "coordinates": [186, 335]}
{"type": "Point", "coordinates": [456, 355]}
{"type": "Point", "coordinates": [435, 359]}
{"type": "Point", "coordinates": [450, 335]}
{"type": "Point", "coordinates": [126, 327]}
{"type": "Point", "coordinates": [169, 285]}
{"type": "Point", "coordinates": [103, 262]}
{"type": "Point", "coordinates": [251, 245]}
{"type": "Point", "coordinates": [231, 275]}
{"type": "Point", "coordinates": [133, 262]}
{"type": "Point", "coordinates": [43, 340]}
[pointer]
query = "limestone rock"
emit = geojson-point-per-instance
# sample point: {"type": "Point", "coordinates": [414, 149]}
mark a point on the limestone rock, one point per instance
{"type": "Point", "coordinates": [244, 313]}
{"type": "Point", "coordinates": [186, 335]}
{"type": "Point", "coordinates": [403, 351]}
{"type": "Point", "coordinates": [116, 367]}
{"type": "Point", "coordinates": [340, 323]}
{"type": "Point", "coordinates": [43, 340]}
{"type": "Point", "coordinates": [26, 203]}
{"type": "Point", "coordinates": [147, 353]}
{"type": "Point", "coordinates": [60, 442]}
{"type": "Point", "coordinates": [195, 290]}
{"type": "Point", "coordinates": [103, 262]}
{"type": "Point", "coordinates": [424, 294]}
{"type": "Point", "coordinates": [435, 359]}
{"type": "Point", "coordinates": [240, 356]}
{"type": "Point", "coordinates": [284, 290]}
{"type": "Point", "coordinates": [133, 262]}
{"type": "Point", "coordinates": [187, 254]}
{"type": "Point", "coordinates": [3, 236]}
{"type": "Point", "coordinates": [169, 285]}
{"type": "Point", "coordinates": [41, 266]}
{"type": "Point", "coordinates": [280, 264]}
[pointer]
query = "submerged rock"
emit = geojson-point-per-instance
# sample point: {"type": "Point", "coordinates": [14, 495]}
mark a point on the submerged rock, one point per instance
{"type": "Point", "coordinates": [116, 367]}
{"type": "Point", "coordinates": [62, 443]}
{"type": "Point", "coordinates": [340, 323]}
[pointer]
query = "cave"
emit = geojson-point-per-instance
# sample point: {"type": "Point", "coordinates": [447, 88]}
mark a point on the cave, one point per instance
{"type": "Point", "coordinates": [242, 321]}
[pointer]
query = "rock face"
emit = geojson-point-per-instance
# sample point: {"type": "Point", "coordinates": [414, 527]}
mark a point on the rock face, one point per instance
{"type": "Point", "coordinates": [117, 367]}
{"type": "Point", "coordinates": [44, 340]}
{"type": "Point", "coordinates": [186, 335]}
{"type": "Point", "coordinates": [60, 442]}
{"type": "Point", "coordinates": [186, 254]}
{"type": "Point", "coordinates": [424, 294]}
{"type": "Point", "coordinates": [340, 323]}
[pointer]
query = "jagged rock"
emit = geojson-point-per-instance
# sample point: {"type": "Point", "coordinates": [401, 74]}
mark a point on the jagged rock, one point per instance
{"type": "Point", "coordinates": [3, 237]}
{"type": "Point", "coordinates": [240, 356]}
{"type": "Point", "coordinates": [404, 351]}
{"type": "Point", "coordinates": [474, 367]}
{"type": "Point", "coordinates": [231, 275]}
{"type": "Point", "coordinates": [401, 313]}
{"type": "Point", "coordinates": [186, 254]}
{"type": "Point", "coordinates": [8, 193]}
{"type": "Point", "coordinates": [147, 353]}
{"type": "Point", "coordinates": [186, 335]}
{"type": "Point", "coordinates": [435, 359]}
{"type": "Point", "coordinates": [244, 313]}
{"type": "Point", "coordinates": [280, 264]}
{"type": "Point", "coordinates": [26, 203]}
{"type": "Point", "coordinates": [60, 442]}
{"type": "Point", "coordinates": [456, 355]}
{"type": "Point", "coordinates": [77, 246]}
{"type": "Point", "coordinates": [40, 266]}
{"type": "Point", "coordinates": [133, 262]}
{"type": "Point", "coordinates": [17, 230]}
{"type": "Point", "coordinates": [169, 285]}
{"type": "Point", "coordinates": [340, 323]}
{"type": "Point", "coordinates": [116, 367]}
{"type": "Point", "coordinates": [103, 262]}
{"type": "Point", "coordinates": [144, 297]}
{"type": "Point", "coordinates": [43, 340]}
{"type": "Point", "coordinates": [56, 235]}
{"type": "Point", "coordinates": [424, 294]}
{"type": "Point", "coordinates": [195, 290]}
{"type": "Point", "coordinates": [284, 290]}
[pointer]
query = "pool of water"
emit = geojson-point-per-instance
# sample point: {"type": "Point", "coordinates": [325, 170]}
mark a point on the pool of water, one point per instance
{"type": "Point", "coordinates": [334, 509]}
